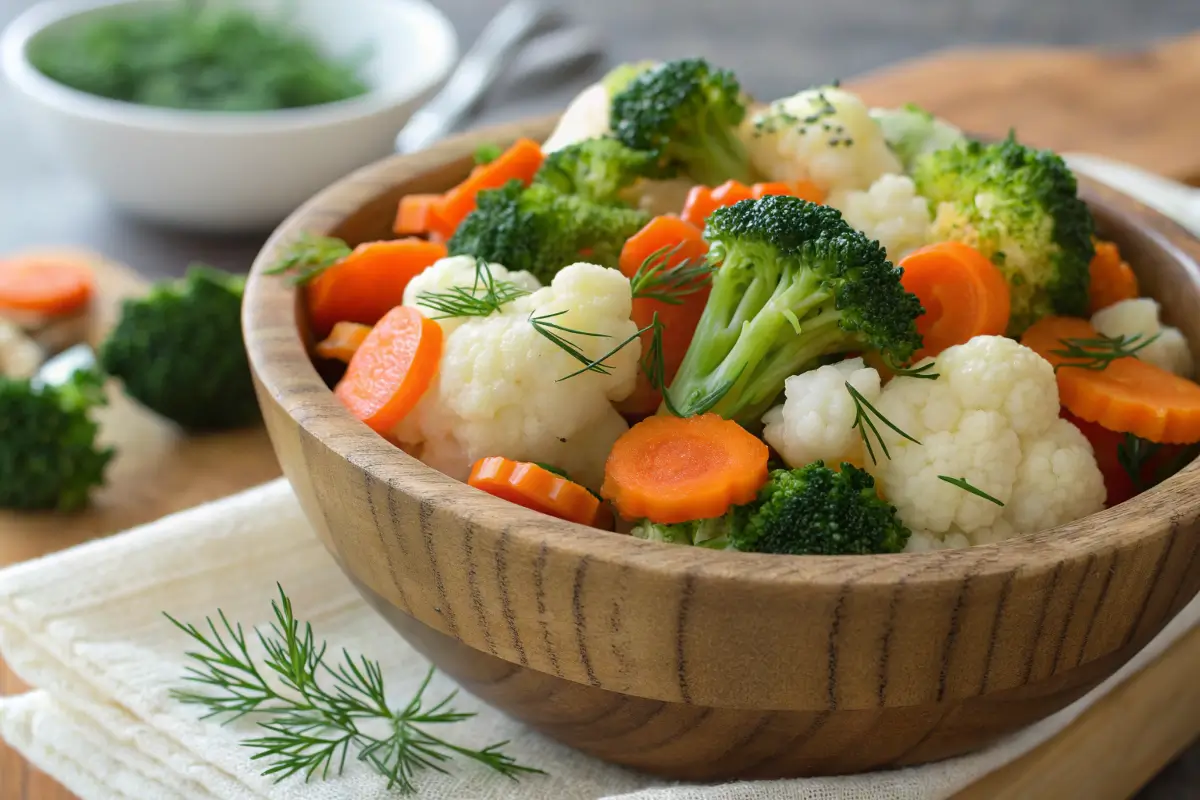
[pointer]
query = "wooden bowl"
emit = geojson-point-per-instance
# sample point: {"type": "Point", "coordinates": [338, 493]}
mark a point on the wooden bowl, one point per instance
{"type": "Point", "coordinates": [706, 665]}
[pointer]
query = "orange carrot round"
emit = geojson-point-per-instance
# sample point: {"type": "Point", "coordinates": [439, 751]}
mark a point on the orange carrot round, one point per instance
{"type": "Point", "coordinates": [43, 285]}
{"type": "Point", "coordinates": [535, 487]}
{"type": "Point", "coordinates": [343, 341]}
{"type": "Point", "coordinates": [731, 192]}
{"type": "Point", "coordinates": [963, 295]}
{"type": "Point", "coordinates": [807, 190]}
{"type": "Point", "coordinates": [392, 369]}
{"type": "Point", "coordinates": [366, 284]}
{"type": "Point", "coordinates": [673, 469]}
{"type": "Point", "coordinates": [1128, 395]}
{"type": "Point", "coordinates": [520, 162]}
{"type": "Point", "coordinates": [418, 216]}
{"type": "Point", "coordinates": [1111, 278]}
{"type": "Point", "coordinates": [678, 320]}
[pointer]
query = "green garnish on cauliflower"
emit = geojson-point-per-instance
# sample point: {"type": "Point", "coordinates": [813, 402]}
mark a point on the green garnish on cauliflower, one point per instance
{"type": "Point", "coordinates": [498, 393]}
{"type": "Point", "coordinates": [1140, 317]}
{"type": "Point", "coordinates": [991, 418]}
{"type": "Point", "coordinates": [825, 135]}
{"type": "Point", "coordinates": [1020, 208]}
{"type": "Point", "coordinates": [890, 212]}
{"type": "Point", "coordinates": [461, 273]}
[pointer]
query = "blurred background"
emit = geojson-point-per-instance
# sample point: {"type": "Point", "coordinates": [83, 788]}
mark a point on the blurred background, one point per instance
{"type": "Point", "coordinates": [776, 47]}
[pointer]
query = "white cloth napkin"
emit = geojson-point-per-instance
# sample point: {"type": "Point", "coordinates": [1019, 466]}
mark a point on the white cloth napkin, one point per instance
{"type": "Point", "coordinates": [84, 627]}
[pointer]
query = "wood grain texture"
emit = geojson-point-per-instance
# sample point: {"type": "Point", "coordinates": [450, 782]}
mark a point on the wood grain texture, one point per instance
{"type": "Point", "coordinates": [701, 664]}
{"type": "Point", "coordinates": [156, 472]}
{"type": "Point", "coordinates": [1125, 104]}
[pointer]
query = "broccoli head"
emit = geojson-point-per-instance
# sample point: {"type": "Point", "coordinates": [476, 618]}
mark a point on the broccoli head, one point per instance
{"type": "Point", "coordinates": [794, 284]}
{"type": "Point", "coordinates": [687, 114]}
{"type": "Point", "coordinates": [179, 352]}
{"type": "Point", "coordinates": [710, 533]}
{"type": "Point", "coordinates": [597, 170]}
{"type": "Point", "coordinates": [49, 458]}
{"type": "Point", "coordinates": [816, 510]}
{"type": "Point", "coordinates": [1020, 208]}
{"type": "Point", "coordinates": [540, 230]}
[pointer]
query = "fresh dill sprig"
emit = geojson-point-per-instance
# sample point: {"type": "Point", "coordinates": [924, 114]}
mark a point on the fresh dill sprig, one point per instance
{"type": "Point", "coordinates": [922, 372]}
{"type": "Point", "coordinates": [863, 422]}
{"type": "Point", "coordinates": [654, 366]}
{"type": "Point", "coordinates": [1096, 354]}
{"type": "Point", "coordinates": [487, 153]}
{"type": "Point", "coordinates": [460, 301]}
{"type": "Point", "coordinates": [308, 257]}
{"type": "Point", "coordinates": [963, 484]}
{"type": "Point", "coordinates": [655, 280]}
{"type": "Point", "coordinates": [557, 334]}
{"type": "Point", "coordinates": [314, 712]}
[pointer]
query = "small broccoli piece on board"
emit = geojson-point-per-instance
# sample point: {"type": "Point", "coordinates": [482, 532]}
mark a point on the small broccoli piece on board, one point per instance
{"type": "Point", "coordinates": [179, 352]}
{"type": "Point", "coordinates": [816, 510]}
{"type": "Point", "coordinates": [540, 230]}
{"type": "Point", "coordinates": [687, 114]}
{"type": "Point", "coordinates": [1020, 208]}
{"type": "Point", "coordinates": [49, 458]}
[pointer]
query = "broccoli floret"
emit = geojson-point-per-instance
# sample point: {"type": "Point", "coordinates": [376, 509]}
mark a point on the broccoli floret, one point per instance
{"type": "Point", "coordinates": [818, 511]}
{"type": "Point", "coordinates": [687, 114]}
{"type": "Point", "coordinates": [540, 230]}
{"type": "Point", "coordinates": [794, 283]}
{"type": "Point", "coordinates": [1020, 208]}
{"type": "Point", "coordinates": [911, 131]}
{"type": "Point", "coordinates": [619, 76]}
{"type": "Point", "coordinates": [597, 170]}
{"type": "Point", "coordinates": [179, 352]}
{"type": "Point", "coordinates": [710, 533]}
{"type": "Point", "coordinates": [49, 458]}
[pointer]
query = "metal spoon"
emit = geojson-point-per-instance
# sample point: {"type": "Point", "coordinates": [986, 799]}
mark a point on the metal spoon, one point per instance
{"type": "Point", "coordinates": [489, 59]}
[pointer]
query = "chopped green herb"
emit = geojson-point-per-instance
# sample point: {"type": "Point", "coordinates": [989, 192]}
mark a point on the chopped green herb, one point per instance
{"type": "Point", "coordinates": [654, 280]}
{"type": "Point", "coordinates": [308, 257]}
{"type": "Point", "coordinates": [487, 153]}
{"type": "Point", "coordinates": [967, 487]}
{"type": "Point", "coordinates": [1096, 354]}
{"type": "Point", "coordinates": [863, 422]}
{"type": "Point", "coordinates": [461, 301]}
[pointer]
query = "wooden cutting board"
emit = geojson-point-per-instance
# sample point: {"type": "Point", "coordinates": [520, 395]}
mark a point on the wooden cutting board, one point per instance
{"type": "Point", "coordinates": [1137, 106]}
{"type": "Point", "coordinates": [157, 471]}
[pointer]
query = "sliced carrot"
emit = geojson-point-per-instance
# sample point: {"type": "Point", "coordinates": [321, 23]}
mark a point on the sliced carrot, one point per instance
{"type": "Point", "coordinates": [44, 285]}
{"type": "Point", "coordinates": [963, 295]}
{"type": "Point", "coordinates": [699, 205]}
{"type": "Point", "coordinates": [520, 161]}
{"type": "Point", "coordinates": [807, 190]}
{"type": "Point", "coordinates": [343, 341]}
{"type": "Point", "coordinates": [731, 192]}
{"type": "Point", "coordinates": [1111, 279]}
{"type": "Point", "coordinates": [535, 487]}
{"type": "Point", "coordinates": [366, 284]}
{"type": "Point", "coordinates": [672, 469]}
{"type": "Point", "coordinates": [1128, 395]}
{"type": "Point", "coordinates": [703, 200]}
{"type": "Point", "coordinates": [418, 216]}
{"type": "Point", "coordinates": [392, 369]}
{"type": "Point", "coordinates": [678, 321]}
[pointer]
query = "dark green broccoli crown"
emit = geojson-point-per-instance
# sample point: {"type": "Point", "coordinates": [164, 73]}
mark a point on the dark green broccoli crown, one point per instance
{"type": "Point", "coordinates": [687, 114]}
{"type": "Point", "coordinates": [49, 458]}
{"type": "Point", "coordinates": [595, 169]}
{"type": "Point", "coordinates": [793, 237]}
{"type": "Point", "coordinates": [1035, 206]}
{"type": "Point", "coordinates": [179, 352]}
{"type": "Point", "coordinates": [816, 510]}
{"type": "Point", "coordinates": [539, 230]}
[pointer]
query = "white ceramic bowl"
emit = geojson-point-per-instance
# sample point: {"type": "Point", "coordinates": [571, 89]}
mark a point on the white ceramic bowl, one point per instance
{"type": "Point", "coordinates": [220, 171]}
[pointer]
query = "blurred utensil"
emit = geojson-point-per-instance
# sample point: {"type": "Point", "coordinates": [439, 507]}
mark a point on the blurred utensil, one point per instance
{"type": "Point", "coordinates": [493, 56]}
{"type": "Point", "coordinates": [1163, 195]}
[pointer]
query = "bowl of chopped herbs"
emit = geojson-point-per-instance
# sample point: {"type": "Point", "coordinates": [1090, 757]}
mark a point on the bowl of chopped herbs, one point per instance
{"type": "Point", "coordinates": [222, 115]}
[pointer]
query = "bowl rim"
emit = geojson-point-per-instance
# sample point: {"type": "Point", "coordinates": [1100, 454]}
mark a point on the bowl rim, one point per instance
{"type": "Point", "coordinates": [314, 408]}
{"type": "Point", "coordinates": [15, 64]}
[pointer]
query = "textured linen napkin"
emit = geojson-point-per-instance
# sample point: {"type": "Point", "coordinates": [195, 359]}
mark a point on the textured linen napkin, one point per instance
{"type": "Point", "coordinates": [84, 627]}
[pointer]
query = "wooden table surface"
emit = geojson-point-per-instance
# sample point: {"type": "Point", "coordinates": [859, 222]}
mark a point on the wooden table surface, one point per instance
{"type": "Point", "coordinates": [775, 47]}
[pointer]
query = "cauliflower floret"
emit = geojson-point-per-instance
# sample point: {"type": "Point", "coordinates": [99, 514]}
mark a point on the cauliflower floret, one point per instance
{"type": "Point", "coordinates": [460, 271]}
{"type": "Point", "coordinates": [825, 135]}
{"type": "Point", "coordinates": [815, 421]}
{"type": "Point", "coordinates": [890, 211]}
{"type": "Point", "coordinates": [585, 117]}
{"type": "Point", "coordinates": [1140, 316]}
{"type": "Point", "coordinates": [20, 356]}
{"type": "Point", "coordinates": [991, 418]}
{"type": "Point", "coordinates": [498, 391]}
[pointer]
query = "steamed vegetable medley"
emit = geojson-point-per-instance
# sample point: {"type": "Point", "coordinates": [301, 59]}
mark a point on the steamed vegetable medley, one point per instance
{"type": "Point", "coordinates": [806, 327]}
